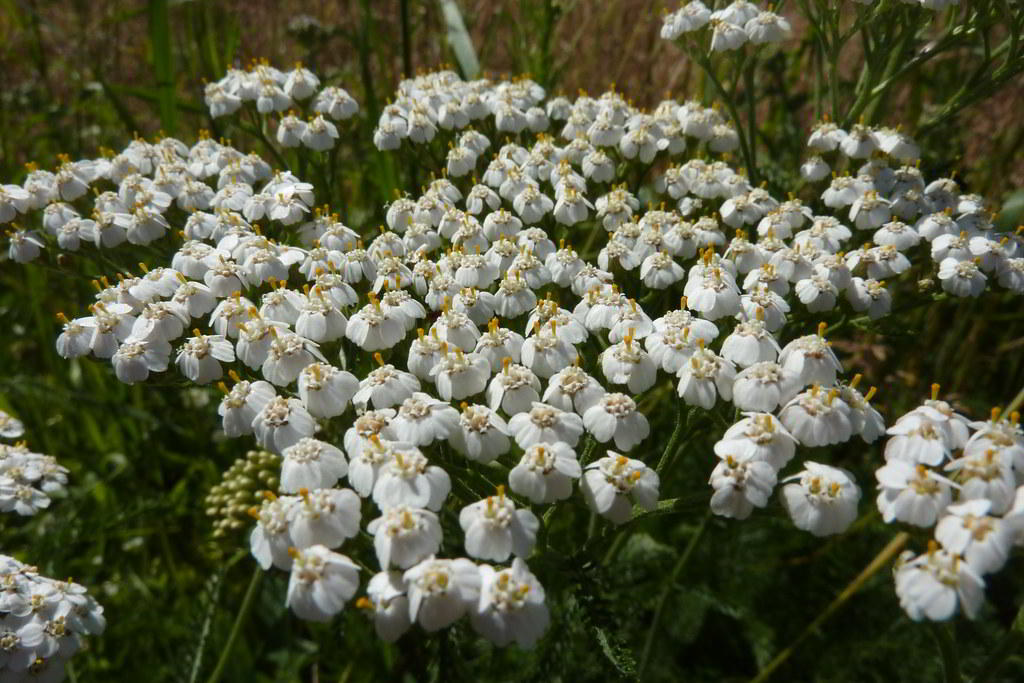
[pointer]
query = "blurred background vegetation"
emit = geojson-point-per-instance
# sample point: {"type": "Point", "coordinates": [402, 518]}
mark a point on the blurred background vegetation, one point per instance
{"type": "Point", "coordinates": [84, 75]}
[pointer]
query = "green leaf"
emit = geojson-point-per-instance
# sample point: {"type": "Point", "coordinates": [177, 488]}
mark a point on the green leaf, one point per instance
{"type": "Point", "coordinates": [459, 39]}
{"type": "Point", "coordinates": [617, 652]}
{"type": "Point", "coordinates": [163, 62]}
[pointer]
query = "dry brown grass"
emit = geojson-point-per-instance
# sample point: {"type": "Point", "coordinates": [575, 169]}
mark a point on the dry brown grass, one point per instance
{"type": "Point", "coordinates": [49, 62]}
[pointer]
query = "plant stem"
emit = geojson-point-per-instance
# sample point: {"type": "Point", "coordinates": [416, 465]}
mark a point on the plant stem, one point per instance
{"type": "Point", "coordinates": [1015, 403]}
{"type": "Point", "coordinates": [947, 647]}
{"type": "Point", "coordinates": [406, 39]}
{"type": "Point", "coordinates": [880, 560]}
{"type": "Point", "coordinates": [236, 629]}
{"type": "Point", "coordinates": [730, 104]}
{"type": "Point", "coordinates": [673, 441]}
{"type": "Point", "coordinates": [1008, 644]}
{"type": "Point", "coordinates": [684, 558]}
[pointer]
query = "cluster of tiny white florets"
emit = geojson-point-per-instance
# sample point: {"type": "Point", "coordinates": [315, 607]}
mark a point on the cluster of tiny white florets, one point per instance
{"type": "Point", "coordinates": [42, 620]}
{"type": "Point", "coordinates": [297, 92]}
{"type": "Point", "coordinates": [728, 28]}
{"type": "Point", "coordinates": [741, 22]}
{"type": "Point", "coordinates": [27, 479]}
{"type": "Point", "coordinates": [503, 366]}
{"type": "Point", "coordinates": [977, 512]}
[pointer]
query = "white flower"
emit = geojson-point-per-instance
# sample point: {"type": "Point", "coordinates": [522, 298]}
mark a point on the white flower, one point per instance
{"type": "Point", "coordinates": [372, 328]}
{"type": "Point", "coordinates": [441, 591]}
{"type": "Point", "coordinates": [422, 419]}
{"type": "Point", "coordinates": [870, 296]}
{"type": "Point", "coordinates": [758, 436]}
{"type": "Point", "coordinates": [324, 517]}
{"type": "Point", "coordinates": [817, 418]}
{"type": "Point", "coordinates": [200, 357]}
{"type": "Point", "coordinates": [281, 423]}
{"type": "Point", "coordinates": [821, 499]}
{"type": "Point", "coordinates": [545, 424]}
{"type": "Point", "coordinates": [10, 426]}
{"type": "Point", "coordinates": [511, 606]}
{"type": "Point", "coordinates": [627, 363]}
{"type": "Point", "coordinates": [931, 586]}
{"type": "Point", "coordinates": [481, 435]}
{"type": "Point", "coordinates": [498, 343]}
{"type": "Point", "coordinates": [712, 292]}
{"type": "Point", "coordinates": [270, 539]}
{"type": "Point", "coordinates": [336, 103]}
{"type": "Point", "coordinates": [321, 582]}
{"type": "Point", "coordinates": [726, 36]}
{"type": "Point", "coordinates": [615, 416]}
{"type": "Point", "coordinates": [136, 358]}
{"type": "Point", "coordinates": [385, 386]}
{"type": "Point", "coordinates": [404, 536]}
{"type": "Point", "coordinates": [767, 27]}
{"type": "Point", "coordinates": [740, 484]}
{"type": "Point", "coordinates": [762, 387]}
{"type": "Point", "coordinates": [911, 494]}
{"type": "Point", "coordinates": [287, 355]}
{"type": "Point", "coordinates": [749, 343]}
{"type": "Point", "coordinates": [311, 464]}
{"type": "Point", "coordinates": [811, 360]}
{"type": "Point", "coordinates": [325, 390]}
{"type": "Point", "coordinates": [705, 377]}
{"type": "Point", "coordinates": [968, 531]}
{"type": "Point", "coordinates": [240, 406]}
{"type": "Point", "coordinates": [408, 478]}
{"type": "Point", "coordinates": [460, 375]}
{"type": "Point", "coordinates": [573, 389]}
{"type": "Point", "coordinates": [546, 352]}
{"type": "Point", "coordinates": [961, 278]}
{"type": "Point", "coordinates": [319, 134]}
{"type": "Point", "coordinates": [614, 483]}
{"type": "Point", "coordinates": [495, 529]}
{"type": "Point", "coordinates": [545, 473]}
{"type": "Point", "coordinates": [514, 389]}
{"type": "Point", "coordinates": [367, 452]}
{"type": "Point", "coordinates": [386, 597]}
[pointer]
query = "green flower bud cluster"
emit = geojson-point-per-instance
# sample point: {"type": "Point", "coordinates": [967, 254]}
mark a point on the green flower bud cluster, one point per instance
{"type": "Point", "coordinates": [240, 489]}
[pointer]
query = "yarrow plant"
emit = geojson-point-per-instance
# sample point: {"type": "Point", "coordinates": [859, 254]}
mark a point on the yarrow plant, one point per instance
{"type": "Point", "coordinates": [431, 393]}
{"type": "Point", "coordinates": [42, 620]}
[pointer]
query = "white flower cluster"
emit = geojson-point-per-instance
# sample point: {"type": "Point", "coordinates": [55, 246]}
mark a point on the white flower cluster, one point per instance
{"type": "Point", "coordinates": [10, 426]}
{"type": "Point", "coordinates": [730, 27]}
{"type": "Point", "coordinates": [904, 210]}
{"type": "Point", "coordinates": [820, 499]}
{"type": "Point", "coordinates": [274, 91]}
{"type": "Point", "coordinates": [741, 22]}
{"type": "Point", "coordinates": [42, 622]}
{"type": "Point", "coordinates": [443, 100]}
{"type": "Point", "coordinates": [977, 516]}
{"type": "Point", "coordinates": [512, 329]}
{"type": "Point", "coordinates": [28, 479]}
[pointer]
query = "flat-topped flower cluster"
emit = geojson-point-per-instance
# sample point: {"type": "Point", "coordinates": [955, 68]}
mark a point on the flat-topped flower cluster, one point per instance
{"type": "Point", "coordinates": [465, 366]}
{"type": "Point", "coordinates": [42, 620]}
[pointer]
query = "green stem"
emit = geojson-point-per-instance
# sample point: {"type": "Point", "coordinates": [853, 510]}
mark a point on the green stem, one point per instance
{"type": "Point", "coordinates": [1010, 643]}
{"type": "Point", "coordinates": [1015, 403]}
{"type": "Point", "coordinates": [873, 567]}
{"type": "Point", "coordinates": [730, 104]}
{"type": "Point", "coordinates": [673, 441]}
{"type": "Point", "coordinates": [947, 647]}
{"type": "Point", "coordinates": [236, 629]}
{"type": "Point", "coordinates": [684, 558]}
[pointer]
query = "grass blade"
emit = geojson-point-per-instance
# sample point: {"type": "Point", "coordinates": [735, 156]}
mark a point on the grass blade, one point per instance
{"type": "Point", "coordinates": [163, 62]}
{"type": "Point", "coordinates": [459, 39]}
